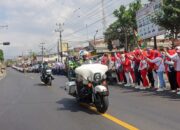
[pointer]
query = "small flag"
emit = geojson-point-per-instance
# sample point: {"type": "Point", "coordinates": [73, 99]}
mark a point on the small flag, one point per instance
{"type": "Point", "coordinates": [139, 39]}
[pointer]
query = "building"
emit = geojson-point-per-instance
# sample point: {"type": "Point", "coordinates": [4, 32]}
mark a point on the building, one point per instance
{"type": "Point", "coordinates": [100, 46]}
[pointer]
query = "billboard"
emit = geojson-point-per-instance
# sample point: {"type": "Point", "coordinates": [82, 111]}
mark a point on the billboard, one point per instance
{"type": "Point", "coordinates": [146, 28]}
{"type": "Point", "coordinates": [64, 47]}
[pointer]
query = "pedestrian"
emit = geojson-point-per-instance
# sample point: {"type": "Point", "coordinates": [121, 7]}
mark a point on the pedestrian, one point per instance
{"type": "Point", "coordinates": [119, 68]}
{"type": "Point", "coordinates": [144, 71]}
{"type": "Point", "coordinates": [159, 68]}
{"type": "Point", "coordinates": [127, 69]}
{"type": "Point", "coordinates": [152, 76]}
{"type": "Point", "coordinates": [176, 59]}
{"type": "Point", "coordinates": [137, 59]}
{"type": "Point", "coordinates": [171, 74]}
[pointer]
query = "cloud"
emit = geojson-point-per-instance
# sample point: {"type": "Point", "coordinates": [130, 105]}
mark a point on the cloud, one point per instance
{"type": "Point", "coordinates": [33, 21]}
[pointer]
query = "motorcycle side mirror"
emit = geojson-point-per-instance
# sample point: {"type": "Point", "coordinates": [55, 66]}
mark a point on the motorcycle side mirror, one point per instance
{"type": "Point", "coordinates": [104, 76]}
{"type": "Point", "coordinates": [89, 78]}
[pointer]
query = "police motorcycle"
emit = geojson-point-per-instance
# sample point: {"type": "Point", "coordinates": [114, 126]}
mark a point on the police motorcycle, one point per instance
{"type": "Point", "coordinates": [46, 74]}
{"type": "Point", "coordinates": [90, 86]}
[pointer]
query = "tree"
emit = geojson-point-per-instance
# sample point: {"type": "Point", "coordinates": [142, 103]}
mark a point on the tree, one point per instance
{"type": "Point", "coordinates": [123, 28]}
{"type": "Point", "coordinates": [33, 56]}
{"type": "Point", "coordinates": [1, 55]}
{"type": "Point", "coordinates": [169, 18]}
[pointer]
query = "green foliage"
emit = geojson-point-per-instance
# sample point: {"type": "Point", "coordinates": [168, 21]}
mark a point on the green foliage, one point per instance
{"type": "Point", "coordinates": [33, 55]}
{"type": "Point", "coordinates": [1, 55]}
{"type": "Point", "coordinates": [125, 23]}
{"type": "Point", "coordinates": [9, 62]}
{"type": "Point", "coordinates": [169, 17]}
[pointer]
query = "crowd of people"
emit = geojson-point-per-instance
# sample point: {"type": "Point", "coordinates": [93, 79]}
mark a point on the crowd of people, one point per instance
{"type": "Point", "coordinates": [146, 68]}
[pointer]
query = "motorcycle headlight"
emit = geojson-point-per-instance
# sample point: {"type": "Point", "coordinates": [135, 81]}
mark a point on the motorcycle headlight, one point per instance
{"type": "Point", "coordinates": [89, 78]}
{"type": "Point", "coordinates": [104, 76]}
{"type": "Point", "coordinates": [48, 71]}
{"type": "Point", "coordinates": [97, 77]}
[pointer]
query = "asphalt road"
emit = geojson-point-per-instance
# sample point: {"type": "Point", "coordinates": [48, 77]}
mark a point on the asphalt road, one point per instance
{"type": "Point", "coordinates": [27, 104]}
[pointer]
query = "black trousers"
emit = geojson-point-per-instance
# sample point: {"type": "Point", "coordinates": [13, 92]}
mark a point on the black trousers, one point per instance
{"type": "Point", "coordinates": [172, 80]}
{"type": "Point", "coordinates": [138, 77]}
{"type": "Point", "coordinates": [151, 78]}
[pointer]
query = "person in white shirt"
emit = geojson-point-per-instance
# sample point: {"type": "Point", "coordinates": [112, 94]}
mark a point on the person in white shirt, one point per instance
{"type": "Point", "coordinates": [160, 68]}
{"type": "Point", "coordinates": [119, 68]}
{"type": "Point", "coordinates": [176, 59]}
{"type": "Point", "coordinates": [171, 74]}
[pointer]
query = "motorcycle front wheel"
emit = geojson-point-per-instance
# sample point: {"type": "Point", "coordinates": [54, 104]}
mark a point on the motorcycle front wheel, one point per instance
{"type": "Point", "coordinates": [102, 103]}
{"type": "Point", "coordinates": [49, 82]}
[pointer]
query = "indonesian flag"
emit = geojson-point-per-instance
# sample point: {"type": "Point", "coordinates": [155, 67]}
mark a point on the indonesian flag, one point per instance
{"type": "Point", "coordinates": [139, 39]}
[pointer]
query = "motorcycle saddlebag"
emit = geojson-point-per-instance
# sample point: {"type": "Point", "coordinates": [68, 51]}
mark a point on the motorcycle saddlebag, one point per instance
{"type": "Point", "coordinates": [71, 87]}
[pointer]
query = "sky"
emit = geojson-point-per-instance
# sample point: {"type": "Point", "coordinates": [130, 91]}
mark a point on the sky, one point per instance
{"type": "Point", "coordinates": [31, 22]}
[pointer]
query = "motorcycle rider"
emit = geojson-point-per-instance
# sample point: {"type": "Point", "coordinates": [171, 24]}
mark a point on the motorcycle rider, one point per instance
{"type": "Point", "coordinates": [44, 68]}
{"type": "Point", "coordinates": [82, 91]}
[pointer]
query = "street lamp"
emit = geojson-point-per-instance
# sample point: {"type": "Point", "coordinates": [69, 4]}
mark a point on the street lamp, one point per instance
{"type": "Point", "coordinates": [60, 30]}
{"type": "Point", "coordinates": [5, 43]}
{"type": "Point", "coordinates": [4, 26]}
{"type": "Point", "coordinates": [95, 36]}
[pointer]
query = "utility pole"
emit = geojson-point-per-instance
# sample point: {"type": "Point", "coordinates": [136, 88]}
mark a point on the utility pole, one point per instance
{"type": "Point", "coordinates": [42, 51]}
{"type": "Point", "coordinates": [95, 37]}
{"type": "Point", "coordinates": [60, 30]}
{"type": "Point", "coordinates": [87, 33]}
{"type": "Point", "coordinates": [155, 43]}
{"type": "Point", "coordinates": [103, 16]}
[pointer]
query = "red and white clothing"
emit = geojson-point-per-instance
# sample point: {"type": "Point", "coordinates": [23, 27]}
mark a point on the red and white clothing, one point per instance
{"type": "Point", "coordinates": [118, 64]}
{"type": "Point", "coordinates": [158, 61]}
{"type": "Point", "coordinates": [127, 69]}
{"type": "Point", "coordinates": [143, 64]}
{"type": "Point", "coordinates": [176, 59]}
{"type": "Point", "coordinates": [143, 69]}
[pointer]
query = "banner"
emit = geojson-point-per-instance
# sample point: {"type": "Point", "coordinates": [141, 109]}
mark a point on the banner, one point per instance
{"type": "Point", "coordinates": [64, 47]}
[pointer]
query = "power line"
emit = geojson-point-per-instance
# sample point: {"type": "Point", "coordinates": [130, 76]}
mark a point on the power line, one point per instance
{"type": "Point", "coordinates": [77, 37]}
{"type": "Point", "coordinates": [92, 11]}
{"type": "Point", "coordinates": [97, 13]}
{"type": "Point", "coordinates": [84, 41]}
{"type": "Point", "coordinates": [81, 29]}
{"type": "Point", "coordinates": [101, 10]}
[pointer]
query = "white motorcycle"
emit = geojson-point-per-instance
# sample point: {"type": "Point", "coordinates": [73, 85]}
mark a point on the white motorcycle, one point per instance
{"type": "Point", "coordinates": [91, 86]}
{"type": "Point", "coordinates": [47, 77]}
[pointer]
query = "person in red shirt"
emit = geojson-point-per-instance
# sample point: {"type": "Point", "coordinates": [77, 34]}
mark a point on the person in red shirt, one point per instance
{"type": "Point", "coordinates": [143, 69]}
{"type": "Point", "coordinates": [127, 69]}
{"type": "Point", "coordinates": [119, 67]}
{"type": "Point", "coordinates": [137, 59]}
{"type": "Point", "coordinates": [151, 75]}
{"type": "Point", "coordinates": [171, 72]}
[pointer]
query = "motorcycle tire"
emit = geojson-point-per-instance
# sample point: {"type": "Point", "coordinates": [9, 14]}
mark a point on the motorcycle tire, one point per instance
{"type": "Point", "coordinates": [49, 82]}
{"type": "Point", "coordinates": [102, 103]}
